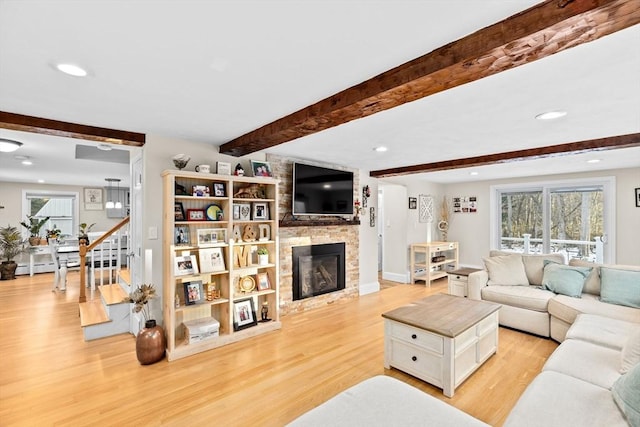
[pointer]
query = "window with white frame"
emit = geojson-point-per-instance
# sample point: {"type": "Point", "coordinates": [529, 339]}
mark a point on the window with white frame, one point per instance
{"type": "Point", "coordinates": [575, 218]}
{"type": "Point", "coordinates": [60, 206]}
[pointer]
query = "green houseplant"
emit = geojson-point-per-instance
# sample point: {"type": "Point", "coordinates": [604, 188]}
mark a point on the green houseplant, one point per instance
{"type": "Point", "coordinates": [34, 225]}
{"type": "Point", "coordinates": [263, 256]}
{"type": "Point", "coordinates": [11, 245]}
{"type": "Point", "coordinates": [83, 232]}
{"type": "Point", "coordinates": [54, 233]}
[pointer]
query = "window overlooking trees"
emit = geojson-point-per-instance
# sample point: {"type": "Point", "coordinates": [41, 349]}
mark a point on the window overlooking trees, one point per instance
{"type": "Point", "coordinates": [570, 218]}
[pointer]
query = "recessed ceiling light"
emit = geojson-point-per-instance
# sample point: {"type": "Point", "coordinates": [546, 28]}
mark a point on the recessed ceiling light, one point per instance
{"type": "Point", "coordinates": [41, 181]}
{"type": "Point", "coordinates": [27, 162]}
{"type": "Point", "coordinates": [9, 145]}
{"type": "Point", "coordinates": [473, 173]}
{"type": "Point", "coordinates": [550, 115]}
{"type": "Point", "coordinates": [380, 149]}
{"type": "Point", "coordinates": [594, 161]}
{"type": "Point", "coordinates": [72, 70]}
{"type": "Point", "coordinates": [326, 186]}
{"type": "Point", "coordinates": [104, 147]}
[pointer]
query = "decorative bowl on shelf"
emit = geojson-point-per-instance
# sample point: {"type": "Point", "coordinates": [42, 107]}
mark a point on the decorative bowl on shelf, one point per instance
{"type": "Point", "coordinates": [181, 160]}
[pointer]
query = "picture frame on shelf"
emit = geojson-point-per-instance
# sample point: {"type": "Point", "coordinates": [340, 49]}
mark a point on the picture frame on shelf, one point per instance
{"type": "Point", "coordinates": [185, 265]}
{"type": "Point", "coordinates": [214, 213]}
{"type": "Point", "coordinates": [211, 259]}
{"type": "Point", "coordinates": [181, 236]}
{"type": "Point", "coordinates": [245, 211]}
{"type": "Point", "coordinates": [262, 281]}
{"type": "Point", "coordinates": [223, 168]}
{"type": "Point", "coordinates": [244, 314]}
{"type": "Point", "coordinates": [211, 236]}
{"type": "Point", "coordinates": [261, 169]}
{"type": "Point", "coordinates": [236, 211]}
{"type": "Point", "coordinates": [93, 199]}
{"type": "Point", "coordinates": [195, 215]}
{"type": "Point", "coordinates": [178, 212]}
{"type": "Point", "coordinates": [218, 189]}
{"type": "Point", "coordinates": [193, 292]}
{"type": "Point", "coordinates": [201, 191]}
{"type": "Point", "coordinates": [260, 211]}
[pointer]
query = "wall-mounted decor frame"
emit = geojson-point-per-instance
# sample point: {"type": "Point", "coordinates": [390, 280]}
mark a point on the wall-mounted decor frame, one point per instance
{"type": "Point", "coordinates": [413, 203]}
{"type": "Point", "coordinates": [93, 199]}
{"type": "Point", "coordinates": [637, 197]}
{"type": "Point", "coordinates": [466, 204]}
{"type": "Point", "coordinates": [425, 213]}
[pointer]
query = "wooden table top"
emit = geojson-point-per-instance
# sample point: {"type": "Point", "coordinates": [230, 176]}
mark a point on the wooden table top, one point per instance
{"type": "Point", "coordinates": [465, 271]}
{"type": "Point", "coordinates": [443, 314]}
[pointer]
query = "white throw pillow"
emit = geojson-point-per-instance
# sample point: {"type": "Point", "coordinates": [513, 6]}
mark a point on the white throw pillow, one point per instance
{"type": "Point", "coordinates": [506, 270]}
{"type": "Point", "coordinates": [631, 352]}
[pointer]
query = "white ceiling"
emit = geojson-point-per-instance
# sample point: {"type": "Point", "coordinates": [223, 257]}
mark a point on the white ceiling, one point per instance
{"type": "Point", "coordinates": [211, 71]}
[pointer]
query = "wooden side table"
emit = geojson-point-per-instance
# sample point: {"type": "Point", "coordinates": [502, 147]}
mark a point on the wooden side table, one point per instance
{"type": "Point", "coordinates": [458, 281]}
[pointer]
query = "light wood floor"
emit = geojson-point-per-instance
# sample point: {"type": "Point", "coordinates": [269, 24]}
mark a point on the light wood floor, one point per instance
{"type": "Point", "coordinates": [50, 376]}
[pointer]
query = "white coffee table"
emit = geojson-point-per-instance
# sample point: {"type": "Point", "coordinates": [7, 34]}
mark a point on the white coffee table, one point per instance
{"type": "Point", "coordinates": [441, 339]}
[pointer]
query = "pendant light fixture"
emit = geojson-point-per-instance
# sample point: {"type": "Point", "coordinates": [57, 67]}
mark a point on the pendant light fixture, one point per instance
{"type": "Point", "coordinates": [110, 203]}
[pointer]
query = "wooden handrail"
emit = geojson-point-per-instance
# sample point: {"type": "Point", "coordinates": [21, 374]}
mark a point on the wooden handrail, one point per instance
{"type": "Point", "coordinates": [83, 255]}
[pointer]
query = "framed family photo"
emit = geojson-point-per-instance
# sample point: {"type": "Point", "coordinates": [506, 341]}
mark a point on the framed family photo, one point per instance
{"type": "Point", "coordinates": [244, 314]}
{"type": "Point", "coordinates": [184, 265]}
{"type": "Point", "coordinates": [263, 283]}
{"type": "Point", "coordinates": [218, 189]}
{"type": "Point", "coordinates": [211, 236]}
{"type": "Point", "coordinates": [260, 211]}
{"type": "Point", "coordinates": [181, 235]}
{"type": "Point", "coordinates": [178, 212]}
{"type": "Point", "coordinates": [261, 168]}
{"type": "Point", "coordinates": [193, 292]}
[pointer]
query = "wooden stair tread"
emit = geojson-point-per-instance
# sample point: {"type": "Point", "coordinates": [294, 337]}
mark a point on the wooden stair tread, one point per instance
{"type": "Point", "coordinates": [93, 313]}
{"type": "Point", "coordinates": [125, 275]}
{"type": "Point", "coordinates": [112, 294]}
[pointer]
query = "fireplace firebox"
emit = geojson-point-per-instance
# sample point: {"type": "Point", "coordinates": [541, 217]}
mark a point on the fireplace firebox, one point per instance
{"type": "Point", "coordinates": [318, 270]}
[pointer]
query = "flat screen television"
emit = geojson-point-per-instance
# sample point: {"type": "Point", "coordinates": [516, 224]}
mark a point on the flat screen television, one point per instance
{"type": "Point", "coordinates": [321, 191]}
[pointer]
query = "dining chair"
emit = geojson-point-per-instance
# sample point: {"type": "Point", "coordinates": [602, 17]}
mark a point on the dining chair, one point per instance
{"type": "Point", "coordinates": [58, 276]}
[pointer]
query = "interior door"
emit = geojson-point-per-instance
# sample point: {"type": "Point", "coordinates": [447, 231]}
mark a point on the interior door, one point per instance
{"type": "Point", "coordinates": [135, 232]}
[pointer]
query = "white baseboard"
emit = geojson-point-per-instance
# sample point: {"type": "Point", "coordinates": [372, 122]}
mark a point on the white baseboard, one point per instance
{"type": "Point", "coordinates": [395, 277]}
{"type": "Point", "coordinates": [369, 288]}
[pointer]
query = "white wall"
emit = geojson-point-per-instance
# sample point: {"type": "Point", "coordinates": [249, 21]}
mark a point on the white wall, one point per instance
{"type": "Point", "coordinates": [369, 238]}
{"type": "Point", "coordinates": [472, 230]}
{"type": "Point", "coordinates": [394, 252]}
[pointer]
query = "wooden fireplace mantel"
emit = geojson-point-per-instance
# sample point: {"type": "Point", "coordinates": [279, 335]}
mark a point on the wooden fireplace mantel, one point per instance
{"type": "Point", "coordinates": [317, 222]}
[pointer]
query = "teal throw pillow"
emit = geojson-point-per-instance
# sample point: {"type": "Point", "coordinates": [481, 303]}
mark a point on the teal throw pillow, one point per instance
{"type": "Point", "coordinates": [625, 394]}
{"type": "Point", "coordinates": [620, 287]}
{"type": "Point", "coordinates": [564, 279]}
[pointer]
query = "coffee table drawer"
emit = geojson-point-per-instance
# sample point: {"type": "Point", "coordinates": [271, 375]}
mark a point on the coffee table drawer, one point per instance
{"type": "Point", "coordinates": [415, 361]}
{"type": "Point", "coordinates": [415, 336]}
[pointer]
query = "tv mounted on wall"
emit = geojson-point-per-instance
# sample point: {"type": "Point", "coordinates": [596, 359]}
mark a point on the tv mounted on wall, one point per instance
{"type": "Point", "coordinates": [321, 191]}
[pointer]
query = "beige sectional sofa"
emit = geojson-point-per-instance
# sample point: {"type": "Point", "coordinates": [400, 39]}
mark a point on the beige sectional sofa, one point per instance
{"type": "Point", "coordinates": [516, 282]}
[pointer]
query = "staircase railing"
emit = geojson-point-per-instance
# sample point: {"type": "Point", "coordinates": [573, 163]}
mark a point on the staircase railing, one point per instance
{"type": "Point", "coordinates": [86, 248]}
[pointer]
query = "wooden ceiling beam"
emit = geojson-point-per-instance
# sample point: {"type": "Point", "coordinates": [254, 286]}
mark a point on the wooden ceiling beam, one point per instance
{"type": "Point", "coordinates": [70, 130]}
{"type": "Point", "coordinates": [601, 144]}
{"type": "Point", "coordinates": [538, 32]}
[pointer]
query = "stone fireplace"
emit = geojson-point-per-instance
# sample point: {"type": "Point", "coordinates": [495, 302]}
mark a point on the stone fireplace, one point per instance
{"type": "Point", "coordinates": [318, 270]}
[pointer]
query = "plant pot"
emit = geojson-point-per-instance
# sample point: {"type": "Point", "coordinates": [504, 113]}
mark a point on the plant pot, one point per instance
{"type": "Point", "coordinates": [34, 240]}
{"type": "Point", "coordinates": [8, 270]}
{"type": "Point", "coordinates": [150, 343]}
{"type": "Point", "coordinates": [263, 259]}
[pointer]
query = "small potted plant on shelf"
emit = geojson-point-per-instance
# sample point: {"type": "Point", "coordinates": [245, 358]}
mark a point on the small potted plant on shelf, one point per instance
{"type": "Point", "coordinates": [263, 256]}
{"type": "Point", "coordinates": [34, 225]}
{"type": "Point", "coordinates": [11, 245]}
{"type": "Point", "coordinates": [83, 234]}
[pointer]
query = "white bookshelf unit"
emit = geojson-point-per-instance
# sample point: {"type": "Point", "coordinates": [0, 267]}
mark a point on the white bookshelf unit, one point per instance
{"type": "Point", "coordinates": [432, 260]}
